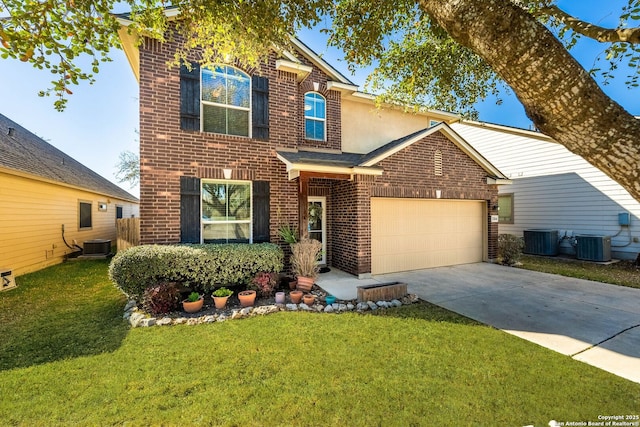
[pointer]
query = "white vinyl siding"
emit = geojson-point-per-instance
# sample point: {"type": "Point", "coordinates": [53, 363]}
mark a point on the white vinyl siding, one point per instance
{"type": "Point", "coordinates": [554, 188]}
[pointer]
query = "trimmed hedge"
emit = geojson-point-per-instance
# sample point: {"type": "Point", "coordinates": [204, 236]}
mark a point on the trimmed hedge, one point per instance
{"type": "Point", "coordinates": [200, 267]}
{"type": "Point", "coordinates": [510, 248]}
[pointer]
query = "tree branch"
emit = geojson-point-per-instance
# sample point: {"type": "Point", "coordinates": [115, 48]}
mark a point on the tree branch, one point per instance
{"type": "Point", "coordinates": [587, 29]}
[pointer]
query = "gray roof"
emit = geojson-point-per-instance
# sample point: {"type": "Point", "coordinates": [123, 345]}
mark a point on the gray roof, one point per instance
{"type": "Point", "coordinates": [342, 159]}
{"type": "Point", "coordinates": [22, 151]}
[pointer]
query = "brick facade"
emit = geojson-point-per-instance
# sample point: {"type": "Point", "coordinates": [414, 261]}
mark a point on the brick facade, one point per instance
{"type": "Point", "coordinates": [167, 153]}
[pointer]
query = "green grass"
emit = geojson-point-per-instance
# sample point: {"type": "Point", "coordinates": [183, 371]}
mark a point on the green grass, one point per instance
{"type": "Point", "coordinates": [67, 358]}
{"type": "Point", "coordinates": [623, 273]}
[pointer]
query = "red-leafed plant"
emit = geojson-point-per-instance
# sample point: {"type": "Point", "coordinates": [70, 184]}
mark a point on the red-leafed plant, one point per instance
{"type": "Point", "coordinates": [264, 284]}
{"type": "Point", "coordinates": [161, 298]}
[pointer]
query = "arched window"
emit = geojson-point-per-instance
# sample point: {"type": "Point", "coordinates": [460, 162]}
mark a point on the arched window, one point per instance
{"type": "Point", "coordinates": [315, 109]}
{"type": "Point", "coordinates": [226, 100]}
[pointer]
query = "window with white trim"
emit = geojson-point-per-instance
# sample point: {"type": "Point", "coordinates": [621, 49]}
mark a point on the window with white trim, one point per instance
{"type": "Point", "coordinates": [315, 112]}
{"type": "Point", "coordinates": [84, 215]}
{"type": "Point", "coordinates": [225, 95]}
{"type": "Point", "coordinates": [226, 212]}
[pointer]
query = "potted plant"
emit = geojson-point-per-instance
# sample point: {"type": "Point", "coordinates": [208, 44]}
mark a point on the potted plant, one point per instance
{"type": "Point", "coordinates": [193, 303]}
{"type": "Point", "coordinates": [288, 233]}
{"type": "Point", "coordinates": [296, 296]}
{"type": "Point", "coordinates": [264, 284]}
{"type": "Point", "coordinates": [247, 298]}
{"type": "Point", "coordinates": [220, 297]}
{"type": "Point", "coordinates": [304, 262]}
{"type": "Point", "coordinates": [309, 299]}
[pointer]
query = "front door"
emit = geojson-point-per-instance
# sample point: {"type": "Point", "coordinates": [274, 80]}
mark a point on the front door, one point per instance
{"type": "Point", "coordinates": [317, 223]}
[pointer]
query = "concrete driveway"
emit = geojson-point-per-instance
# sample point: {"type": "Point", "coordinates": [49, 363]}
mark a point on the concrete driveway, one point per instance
{"type": "Point", "coordinates": [596, 323]}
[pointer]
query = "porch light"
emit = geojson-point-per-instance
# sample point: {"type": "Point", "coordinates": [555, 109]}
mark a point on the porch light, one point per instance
{"type": "Point", "coordinates": [316, 86]}
{"type": "Point", "coordinates": [226, 173]}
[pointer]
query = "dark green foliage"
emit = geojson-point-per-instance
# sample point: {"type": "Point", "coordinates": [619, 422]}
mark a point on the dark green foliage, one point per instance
{"type": "Point", "coordinates": [161, 298]}
{"type": "Point", "coordinates": [510, 248]}
{"type": "Point", "coordinates": [200, 267]}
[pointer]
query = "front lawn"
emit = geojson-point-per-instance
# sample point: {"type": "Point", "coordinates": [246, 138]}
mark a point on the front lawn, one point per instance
{"type": "Point", "coordinates": [623, 273]}
{"type": "Point", "coordinates": [68, 358]}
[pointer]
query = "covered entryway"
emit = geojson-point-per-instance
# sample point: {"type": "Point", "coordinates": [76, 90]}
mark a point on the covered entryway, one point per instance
{"type": "Point", "coordinates": [412, 234]}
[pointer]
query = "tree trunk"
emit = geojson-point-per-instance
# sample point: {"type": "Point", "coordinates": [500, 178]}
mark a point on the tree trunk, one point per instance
{"type": "Point", "coordinates": [558, 95]}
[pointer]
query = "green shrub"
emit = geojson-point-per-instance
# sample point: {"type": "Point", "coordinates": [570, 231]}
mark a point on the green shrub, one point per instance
{"type": "Point", "coordinates": [161, 298]}
{"type": "Point", "coordinates": [199, 267]}
{"type": "Point", "coordinates": [510, 248]}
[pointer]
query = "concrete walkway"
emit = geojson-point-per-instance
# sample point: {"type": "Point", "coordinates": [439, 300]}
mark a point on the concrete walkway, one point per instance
{"type": "Point", "coordinates": [595, 323]}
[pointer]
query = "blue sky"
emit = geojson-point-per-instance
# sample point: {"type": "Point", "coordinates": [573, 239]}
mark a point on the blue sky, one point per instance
{"type": "Point", "coordinates": [100, 120]}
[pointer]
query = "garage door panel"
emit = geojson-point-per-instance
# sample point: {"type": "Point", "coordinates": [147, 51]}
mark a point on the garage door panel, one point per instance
{"type": "Point", "coordinates": [411, 234]}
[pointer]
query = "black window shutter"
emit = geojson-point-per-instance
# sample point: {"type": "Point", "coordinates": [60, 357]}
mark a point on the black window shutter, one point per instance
{"type": "Point", "coordinates": [190, 97]}
{"type": "Point", "coordinates": [260, 107]}
{"type": "Point", "coordinates": [189, 209]}
{"type": "Point", "coordinates": [261, 212]}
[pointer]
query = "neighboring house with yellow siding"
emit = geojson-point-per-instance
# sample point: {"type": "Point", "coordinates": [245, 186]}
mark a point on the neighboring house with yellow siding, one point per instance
{"type": "Point", "coordinates": [50, 204]}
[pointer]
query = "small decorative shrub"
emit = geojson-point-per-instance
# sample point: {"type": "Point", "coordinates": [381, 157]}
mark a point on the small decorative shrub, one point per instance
{"type": "Point", "coordinates": [264, 284]}
{"type": "Point", "coordinates": [222, 292]}
{"type": "Point", "coordinates": [161, 298]}
{"type": "Point", "coordinates": [304, 258]}
{"type": "Point", "coordinates": [199, 267]}
{"type": "Point", "coordinates": [193, 297]}
{"type": "Point", "coordinates": [288, 233]}
{"type": "Point", "coordinates": [510, 248]}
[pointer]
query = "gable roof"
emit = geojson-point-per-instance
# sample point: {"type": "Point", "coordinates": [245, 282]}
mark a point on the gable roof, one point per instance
{"type": "Point", "coordinates": [352, 163]}
{"type": "Point", "coordinates": [27, 154]}
{"type": "Point", "coordinates": [130, 47]}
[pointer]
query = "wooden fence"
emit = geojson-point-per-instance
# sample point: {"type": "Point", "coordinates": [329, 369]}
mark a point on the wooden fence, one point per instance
{"type": "Point", "coordinates": [128, 233]}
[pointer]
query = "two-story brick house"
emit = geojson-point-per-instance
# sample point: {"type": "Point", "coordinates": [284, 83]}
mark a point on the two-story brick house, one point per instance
{"type": "Point", "coordinates": [230, 155]}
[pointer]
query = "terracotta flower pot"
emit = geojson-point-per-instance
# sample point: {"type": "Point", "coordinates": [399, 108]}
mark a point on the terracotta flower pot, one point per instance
{"type": "Point", "coordinates": [220, 302]}
{"type": "Point", "coordinates": [305, 283]}
{"type": "Point", "coordinates": [296, 296]}
{"type": "Point", "coordinates": [309, 299]}
{"type": "Point", "coordinates": [247, 298]}
{"type": "Point", "coordinates": [192, 307]}
{"type": "Point", "coordinates": [293, 284]}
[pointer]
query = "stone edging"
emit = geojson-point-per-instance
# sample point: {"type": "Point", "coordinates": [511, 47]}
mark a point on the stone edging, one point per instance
{"type": "Point", "coordinates": [138, 318]}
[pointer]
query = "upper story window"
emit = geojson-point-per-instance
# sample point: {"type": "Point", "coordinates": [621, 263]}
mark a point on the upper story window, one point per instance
{"type": "Point", "coordinates": [226, 100]}
{"type": "Point", "coordinates": [315, 109]}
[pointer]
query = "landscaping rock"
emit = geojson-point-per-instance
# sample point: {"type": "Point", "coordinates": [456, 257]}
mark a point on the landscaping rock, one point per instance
{"type": "Point", "coordinates": [222, 318]}
{"type": "Point", "coordinates": [193, 321]}
{"type": "Point", "coordinates": [246, 311]}
{"type": "Point", "coordinates": [396, 303]}
{"type": "Point", "coordinates": [362, 306]}
{"type": "Point", "coordinates": [266, 309]}
{"type": "Point", "coordinates": [164, 321]}
{"type": "Point", "coordinates": [135, 319]}
{"type": "Point", "coordinates": [180, 321]}
{"type": "Point", "coordinates": [342, 307]}
{"type": "Point", "coordinates": [329, 309]}
{"type": "Point", "coordinates": [131, 304]}
{"type": "Point", "coordinates": [292, 307]}
{"type": "Point", "coordinates": [209, 319]}
{"type": "Point", "coordinates": [350, 307]}
{"type": "Point", "coordinates": [304, 307]}
{"type": "Point", "coordinates": [146, 322]}
{"type": "Point", "coordinates": [372, 305]}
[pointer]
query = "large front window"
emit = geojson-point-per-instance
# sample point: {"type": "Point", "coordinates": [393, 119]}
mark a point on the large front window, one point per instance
{"type": "Point", "coordinates": [226, 212]}
{"type": "Point", "coordinates": [315, 108]}
{"type": "Point", "coordinates": [226, 100]}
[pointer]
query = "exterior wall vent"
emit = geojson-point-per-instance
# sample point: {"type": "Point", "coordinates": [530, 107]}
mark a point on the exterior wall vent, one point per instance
{"type": "Point", "coordinates": [97, 247]}
{"type": "Point", "coordinates": [593, 248]}
{"type": "Point", "coordinates": [541, 242]}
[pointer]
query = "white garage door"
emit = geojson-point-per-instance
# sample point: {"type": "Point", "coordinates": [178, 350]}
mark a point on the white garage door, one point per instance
{"type": "Point", "coordinates": [411, 234]}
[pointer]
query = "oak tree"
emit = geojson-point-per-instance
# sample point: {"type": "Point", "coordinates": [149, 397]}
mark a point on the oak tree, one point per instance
{"type": "Point", "coordinates": [446, 54]}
